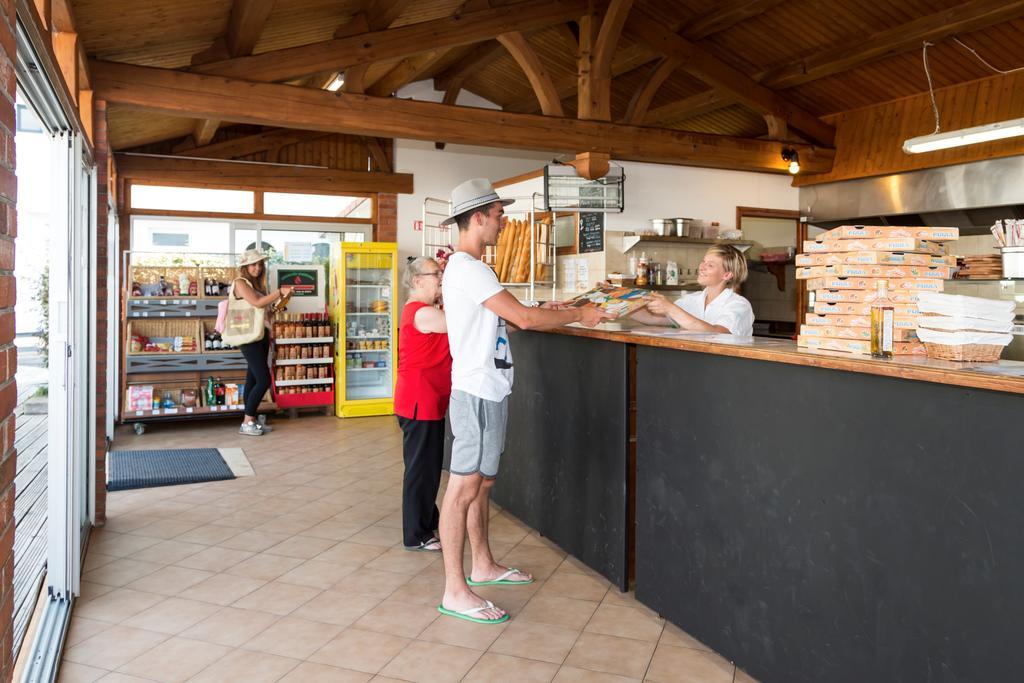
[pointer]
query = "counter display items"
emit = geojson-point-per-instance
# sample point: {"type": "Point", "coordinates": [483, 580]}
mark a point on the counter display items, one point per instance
{"type": "Point", "coordinates": [844, 268]}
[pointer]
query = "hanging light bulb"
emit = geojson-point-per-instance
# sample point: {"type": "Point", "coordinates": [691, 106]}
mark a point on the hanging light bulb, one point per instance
{"type": "Point", "coordinates": [789, 155]}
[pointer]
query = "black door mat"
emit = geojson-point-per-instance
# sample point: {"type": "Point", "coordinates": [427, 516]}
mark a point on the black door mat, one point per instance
{"type": "Point", "coordinates": [170, 467]}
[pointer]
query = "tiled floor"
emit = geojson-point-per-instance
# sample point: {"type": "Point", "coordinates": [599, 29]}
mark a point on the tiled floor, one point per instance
{"type": "Point", "coordinates": [298, 575]}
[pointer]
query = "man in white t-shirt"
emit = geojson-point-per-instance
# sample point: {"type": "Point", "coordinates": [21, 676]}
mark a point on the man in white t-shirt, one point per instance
{"type": "Point", "coordinates": [476, 307]}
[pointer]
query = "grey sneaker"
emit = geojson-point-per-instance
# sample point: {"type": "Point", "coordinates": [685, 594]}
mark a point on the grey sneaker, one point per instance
{"type": "Point", "coordinates": [250, 429]}
{"type": "Point", "coordinates": [261, 420]}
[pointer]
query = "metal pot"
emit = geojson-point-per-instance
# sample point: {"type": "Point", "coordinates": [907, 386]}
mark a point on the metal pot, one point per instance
{"type": "Point", "coordinates": [662, 226]}
{"type": "Point", "coordinates": [682, 226]}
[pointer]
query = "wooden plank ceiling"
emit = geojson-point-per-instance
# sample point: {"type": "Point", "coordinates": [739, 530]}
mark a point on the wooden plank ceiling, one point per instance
{"type": "Point", "coordinates": [734, 61]}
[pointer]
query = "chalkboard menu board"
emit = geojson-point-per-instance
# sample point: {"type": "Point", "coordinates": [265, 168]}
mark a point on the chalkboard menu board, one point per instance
{"type": "Point", "coordinates": [591, 232]}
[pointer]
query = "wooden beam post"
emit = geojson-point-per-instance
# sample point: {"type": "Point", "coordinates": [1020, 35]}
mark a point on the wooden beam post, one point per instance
{"type": "Point", "coordinates": [180, 93]}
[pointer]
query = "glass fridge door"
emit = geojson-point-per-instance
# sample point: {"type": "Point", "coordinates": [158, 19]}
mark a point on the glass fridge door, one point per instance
{"type": "Point", "coordinates": [368, 309]}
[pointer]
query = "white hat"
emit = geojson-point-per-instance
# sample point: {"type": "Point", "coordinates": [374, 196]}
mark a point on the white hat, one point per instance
{"type": "Point", "coordinates": [473, 194]}
{"type": "Point", "coordinates": [251, 256]}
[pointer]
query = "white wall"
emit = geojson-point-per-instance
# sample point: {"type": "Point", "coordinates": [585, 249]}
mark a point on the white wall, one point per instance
{"type": "Point", "coordinates": [659, 191]}
{"type": "Point", "coordinates": [436, 173]}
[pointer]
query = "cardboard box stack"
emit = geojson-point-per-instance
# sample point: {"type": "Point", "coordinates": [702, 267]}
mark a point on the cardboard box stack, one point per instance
{"type": "Point", "coordinates": [842, 268]}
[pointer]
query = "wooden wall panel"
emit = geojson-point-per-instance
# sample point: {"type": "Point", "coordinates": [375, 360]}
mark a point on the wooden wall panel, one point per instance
{"type": "Point", "coordinates": [869, 141]}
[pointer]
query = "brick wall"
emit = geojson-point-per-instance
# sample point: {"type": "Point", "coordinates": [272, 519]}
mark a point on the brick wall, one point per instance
{"type": "Point", "coordinates": [102, 154]}
{"type": "Point", "coordinates": [8, 354]}
{"type": "Point", "coordinates": [386, 229]}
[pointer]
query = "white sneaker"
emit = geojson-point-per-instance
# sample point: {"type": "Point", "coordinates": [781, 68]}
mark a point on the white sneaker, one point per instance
{"type": "Point", "coordinates": [250, 429]}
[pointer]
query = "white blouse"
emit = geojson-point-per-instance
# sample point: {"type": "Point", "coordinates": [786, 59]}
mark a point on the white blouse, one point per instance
{"type": "Point", "coordinates": [728, 309]}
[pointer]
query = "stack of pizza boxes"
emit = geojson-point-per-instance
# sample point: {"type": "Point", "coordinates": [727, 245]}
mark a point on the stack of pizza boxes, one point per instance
{"type": "Point", "coordinates": [842, 268]}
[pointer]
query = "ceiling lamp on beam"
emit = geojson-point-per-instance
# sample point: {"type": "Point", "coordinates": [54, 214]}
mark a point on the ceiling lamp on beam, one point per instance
{"type": "Point", "coordinates": [336, 84]}
{"type": "Point", "coordinates": [790, 156]}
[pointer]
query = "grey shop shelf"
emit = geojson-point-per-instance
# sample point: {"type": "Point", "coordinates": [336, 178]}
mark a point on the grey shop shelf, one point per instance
{"type": "Point", "coordinates": [173, 308]}
{"type": "Point", "coordinates": [185, 362]}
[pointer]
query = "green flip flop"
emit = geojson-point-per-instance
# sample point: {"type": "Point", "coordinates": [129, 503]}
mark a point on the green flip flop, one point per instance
{"type": "Point", "coordinates": [468, 614]}
{"type": "Point", "coordinates": [502, 580]}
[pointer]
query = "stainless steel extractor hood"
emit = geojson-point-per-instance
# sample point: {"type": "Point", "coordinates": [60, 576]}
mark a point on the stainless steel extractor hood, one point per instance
{"type": "Point", "coordinates": [968, 196]}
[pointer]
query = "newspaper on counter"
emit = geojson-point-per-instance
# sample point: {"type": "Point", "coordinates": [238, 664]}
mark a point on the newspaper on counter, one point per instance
{"type": "Point", "coordinates": [617, 301]}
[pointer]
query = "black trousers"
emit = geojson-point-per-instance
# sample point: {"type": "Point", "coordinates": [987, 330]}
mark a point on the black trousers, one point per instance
{"type": "Point", "coordinates": [423, 450]}
{"type": "Point", "coordinates": [257, 377]}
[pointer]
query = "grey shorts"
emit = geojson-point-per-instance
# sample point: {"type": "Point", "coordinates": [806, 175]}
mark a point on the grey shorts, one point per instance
{"type": "Point", "coordinates": [478, 426]}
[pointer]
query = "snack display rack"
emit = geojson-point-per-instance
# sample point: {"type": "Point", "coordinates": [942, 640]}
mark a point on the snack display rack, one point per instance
{"type": "Point", "coordinates": [311, 355]}
{"type": "Point", "coordinates": [173, 365]}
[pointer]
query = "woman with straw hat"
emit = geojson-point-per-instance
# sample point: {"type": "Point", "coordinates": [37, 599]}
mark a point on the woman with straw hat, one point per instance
{"type": "Point", "coordinates": [251, 285]}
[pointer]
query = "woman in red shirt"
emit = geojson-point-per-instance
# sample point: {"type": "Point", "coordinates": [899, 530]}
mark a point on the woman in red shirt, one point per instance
{"type": "Point", "coordinates": [421, 401]}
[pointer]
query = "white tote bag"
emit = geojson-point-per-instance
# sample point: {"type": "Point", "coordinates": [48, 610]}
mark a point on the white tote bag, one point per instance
{"type": "Point", "coordinates": [243, 323]}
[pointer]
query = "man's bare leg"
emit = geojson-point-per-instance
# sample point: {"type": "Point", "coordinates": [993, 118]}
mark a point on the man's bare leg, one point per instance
{"type": "Point", "coordinates": [479, 524]}
{"type": "Point", "coordinates": [458, 497]}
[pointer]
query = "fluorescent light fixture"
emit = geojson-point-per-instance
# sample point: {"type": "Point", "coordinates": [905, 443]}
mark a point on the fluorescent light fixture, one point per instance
{"type": "Point", "coordinates": [335, 85]}
{"type": "Point", "coordinates": [965, 136]}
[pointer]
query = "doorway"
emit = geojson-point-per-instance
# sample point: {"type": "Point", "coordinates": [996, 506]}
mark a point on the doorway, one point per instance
{"type": "Point", "coordinates": [772, 288]}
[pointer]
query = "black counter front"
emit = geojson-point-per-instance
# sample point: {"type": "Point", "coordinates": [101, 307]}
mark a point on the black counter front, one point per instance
{"type": "Point", "coordinates": [817, 525]}
{"type": "Point", "coordinates": [808, 521]}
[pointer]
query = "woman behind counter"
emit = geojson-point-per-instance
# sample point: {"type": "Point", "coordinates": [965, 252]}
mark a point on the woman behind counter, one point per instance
{"type": "Point", "coordinates": [715, 309]}
{"type": "Point", "coordinates": [421, 401]}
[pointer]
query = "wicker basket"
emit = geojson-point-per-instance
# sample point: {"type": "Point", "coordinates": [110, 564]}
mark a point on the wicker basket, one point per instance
{"type": "Point", "coordinates": [150, 275]}
{"type": "Point", "coordinates": [164, 329]}
{"type": "Point", "coordinates": [223, 274]}
{"type": "Point", "coordinates": [982, 353]}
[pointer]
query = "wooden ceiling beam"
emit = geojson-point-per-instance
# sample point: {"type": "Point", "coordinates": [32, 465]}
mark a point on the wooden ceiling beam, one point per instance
{"type": "Point", "coordinates": [405, 72]}
{"type": "Point", "coordinates": [271, 177]}
{"type": "Point", "coordinates": [477, 58]}
{"type": "Point", "coordinates": [708, 68]}
{"type": "Point", "coordinates": [204, 131]}
{"type": "Point", "coordinates": [379, 14]}
{"type": "Point", "coordinates": [394, 43]}
{"type": "Point", "coordinates": [178, 93]}
{"type": "Point", "coordinates": [970, 16]}
{"type": "Point", "coordinates": [695, 105]}
{"type": "Point", "coordinates": [540, 80]}
{"type": "Point", "coordinates": [376, 151]}
{"type": "Point", "coordinates": [638, 56]}
{"type": "Point", "coordinates": [251, 144]}
{"type": "Point", "coordinates": [248, 17]}
{"type": "Point", "coordinates": [641, 101]}
{"type": "Point", "coordinates": [726, 15]}
{"type": "Point", "coordinates": [245, 24]}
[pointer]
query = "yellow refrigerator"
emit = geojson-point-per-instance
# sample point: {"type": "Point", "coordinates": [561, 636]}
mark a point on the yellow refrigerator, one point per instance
{"type": "Point", "coordinates": [365, 312]}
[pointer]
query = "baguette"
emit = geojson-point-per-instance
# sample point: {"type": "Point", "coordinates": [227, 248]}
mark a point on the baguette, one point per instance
{"type": "Point", "coordinates": [510, 249]}
{"type": "Point", "coordinates": [523, 266]}
{"type": "Point", "coordinates": [510, 267]}
{"type": "Point", "coordinates": [502, 249]}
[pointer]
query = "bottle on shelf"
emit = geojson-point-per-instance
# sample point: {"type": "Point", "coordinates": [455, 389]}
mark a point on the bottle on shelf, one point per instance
{"type": "Point", "coordinates": [219, 392]}
{"type": "Point", "coordinates": [642, 271]}
{"type": "Point", "coordinates": [211, 396]}
{"type": "Point", "coordinates": [882, 313]}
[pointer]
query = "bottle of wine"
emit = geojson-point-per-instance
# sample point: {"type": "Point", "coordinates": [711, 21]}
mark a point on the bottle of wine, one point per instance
{"type": "Point", "coordinates": [882, 313]}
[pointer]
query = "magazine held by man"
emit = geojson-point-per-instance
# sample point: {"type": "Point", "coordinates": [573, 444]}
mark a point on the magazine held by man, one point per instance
{"type": "Point", "coordinates": [618, 301]}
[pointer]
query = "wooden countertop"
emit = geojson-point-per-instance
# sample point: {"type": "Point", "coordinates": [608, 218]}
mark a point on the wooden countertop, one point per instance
{"type": "Point", "coordinates": [1004, 375]}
